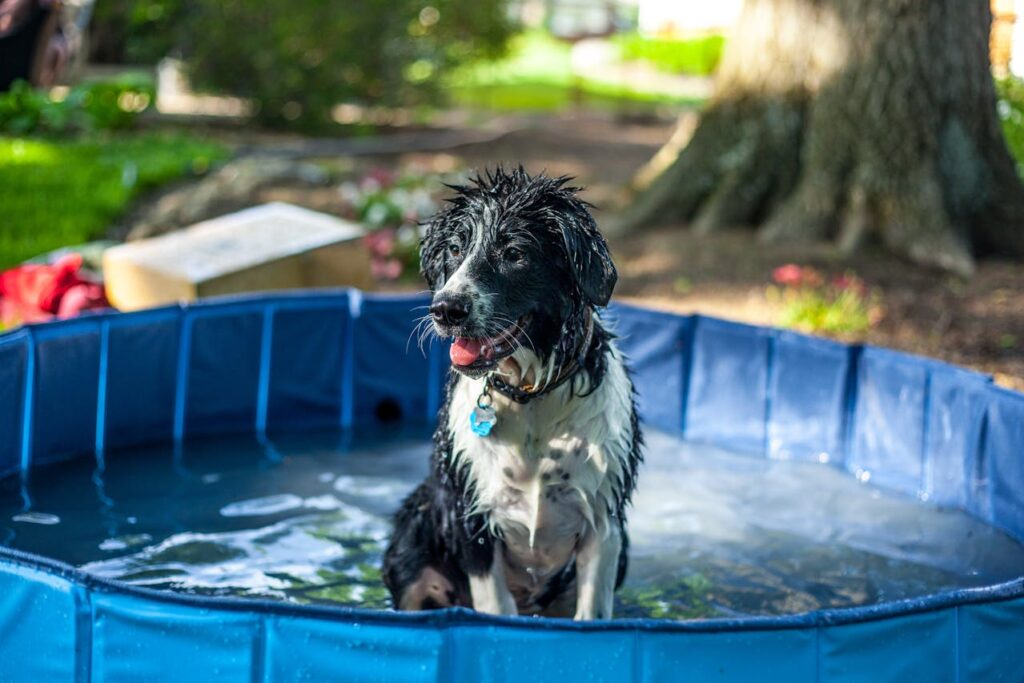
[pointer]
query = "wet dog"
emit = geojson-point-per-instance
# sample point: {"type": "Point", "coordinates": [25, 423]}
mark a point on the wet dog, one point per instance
{"type": "Point", "coordinates": [537, 445]}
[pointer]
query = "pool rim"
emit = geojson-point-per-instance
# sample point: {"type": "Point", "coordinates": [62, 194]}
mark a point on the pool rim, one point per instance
{"type": "Point", "coordinates": [458, 616]}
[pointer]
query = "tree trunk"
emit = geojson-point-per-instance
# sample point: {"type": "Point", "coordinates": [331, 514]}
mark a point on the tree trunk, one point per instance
{"type": "Point", "coordinates": [850, 119]}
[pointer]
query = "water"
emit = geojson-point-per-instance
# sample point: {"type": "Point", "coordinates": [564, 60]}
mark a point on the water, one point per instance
{"type": "Point", "coordinates": [306, 520]}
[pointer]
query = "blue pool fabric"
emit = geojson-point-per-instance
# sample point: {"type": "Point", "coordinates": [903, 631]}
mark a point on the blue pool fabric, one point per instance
{"type": "Point", "coordinates": [272, 364]}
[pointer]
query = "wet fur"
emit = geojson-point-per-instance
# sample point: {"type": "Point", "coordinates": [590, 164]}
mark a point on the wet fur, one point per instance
{"type": "Point", "coordinates": [468, 534]}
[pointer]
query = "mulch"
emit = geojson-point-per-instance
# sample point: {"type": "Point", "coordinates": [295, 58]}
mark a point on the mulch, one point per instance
{"type": "Point", "coordinates": [978, 323]}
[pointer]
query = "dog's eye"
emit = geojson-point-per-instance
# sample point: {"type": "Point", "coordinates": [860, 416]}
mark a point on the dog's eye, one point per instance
{"type": "Point", "coordinates": [514, 255]}
{"type": "Point", "coordinates": [454, 249]}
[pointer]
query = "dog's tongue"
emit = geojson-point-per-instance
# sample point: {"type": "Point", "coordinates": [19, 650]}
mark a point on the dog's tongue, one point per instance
{"type": "Point", "coordinates": [464, 351]}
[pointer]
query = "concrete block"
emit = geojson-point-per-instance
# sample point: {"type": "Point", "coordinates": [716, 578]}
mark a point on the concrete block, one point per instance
{"type": "Point", "coordinates": [270, 247]}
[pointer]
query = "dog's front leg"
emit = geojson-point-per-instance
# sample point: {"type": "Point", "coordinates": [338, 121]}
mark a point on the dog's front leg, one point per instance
{"type": "Point", "coordinates": [597, 558]}
{"type": "Point", "coordinates": [489, 589]}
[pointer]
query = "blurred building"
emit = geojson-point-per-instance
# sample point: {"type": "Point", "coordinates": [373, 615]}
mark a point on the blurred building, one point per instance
{"type": "Point", "coordinates": [677, 18]}
{"type": "Point", "coordinates": [577, 19]}
{"type": "Point", "coordinates": [580, 19]}
{"type": "Point", "coordinates": [1006, 42]}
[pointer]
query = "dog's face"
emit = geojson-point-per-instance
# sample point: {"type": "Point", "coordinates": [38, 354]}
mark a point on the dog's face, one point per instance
{"type": "Point", "coordinates": [514, 262]}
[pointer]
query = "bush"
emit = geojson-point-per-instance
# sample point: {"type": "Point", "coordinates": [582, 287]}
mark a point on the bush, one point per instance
{"type": "Point", "coordinates": [99, 105]}
{"type": "Point", "coordinates": [297, 60]}
{"type": "Point", "coordinates": [809, 302]}
{"type": "Point", "coordinates": [698, 56]}
{"type": "Point", "coordinates": [1011, 115]}
{"type": "Point", "coordinates": [135, 31]}
{"type": "Point", "coordinates": [393, 206]}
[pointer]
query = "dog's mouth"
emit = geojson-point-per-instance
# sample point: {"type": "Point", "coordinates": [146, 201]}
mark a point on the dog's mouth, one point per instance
{"type": "Point", "coordinates": [479, 354]}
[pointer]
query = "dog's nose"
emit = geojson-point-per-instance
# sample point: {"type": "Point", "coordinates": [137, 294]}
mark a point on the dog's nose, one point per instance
{"type": "Point", "coordinates": [450, 311]}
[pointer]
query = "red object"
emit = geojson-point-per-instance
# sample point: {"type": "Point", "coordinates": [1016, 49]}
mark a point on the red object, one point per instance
{"type": "Point", "coordinates": [789, 274]}
{"type": "Point", "coordinates": [36, 292]}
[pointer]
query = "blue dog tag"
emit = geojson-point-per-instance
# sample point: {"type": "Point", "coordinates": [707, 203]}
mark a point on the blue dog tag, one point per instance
{"type": "Point", "coordinates": [482, 420]}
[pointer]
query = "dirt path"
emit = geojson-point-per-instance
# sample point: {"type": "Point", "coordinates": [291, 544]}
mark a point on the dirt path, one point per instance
{"type": "Point", "coordinates": [978, 323]}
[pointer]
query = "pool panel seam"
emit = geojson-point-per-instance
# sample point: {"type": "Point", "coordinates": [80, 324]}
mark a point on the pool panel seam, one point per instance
{"type": "Point", "coordinates": [925, 481]}
{"type": "Point", "coordinates": [101, 393]}
{"type": "Point", "coordinates": [851, 391]}
{"type": "Point", "coordinates": [258, 672]}
{"type": "Point", "coordinates": [348, 359]}
{"type": "Point", "coordinates": [181, 376]}
{"type": "Point", "coordinates": [263, 382]}
{"type": "Point", "coordinates": [956, 644]}
{"type": "Point", "coordinates": [28, 409]}
{"type": "Point", "coordinates": [817, 653]}
{"type": "Point", "coordinates": [84, 641]}
{"type": "Point", "coordinates": [688, 339]}
{"type": "Point", "coordinates": [769, 375]}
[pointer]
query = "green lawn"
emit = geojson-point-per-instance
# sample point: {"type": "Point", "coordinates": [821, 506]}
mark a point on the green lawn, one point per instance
{"type": "Point", "coordinates": [61, 192]}
{"type": "Point", "coordinates": [697, 56]}
{"type": "Point", "coordinates": [537, 75]}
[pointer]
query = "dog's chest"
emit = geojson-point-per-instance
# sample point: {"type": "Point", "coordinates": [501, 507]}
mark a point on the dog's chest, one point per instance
{"type": "Point", "coordinates": [546, 474]}
{"type": "Point", "coordinates": [540, 500]}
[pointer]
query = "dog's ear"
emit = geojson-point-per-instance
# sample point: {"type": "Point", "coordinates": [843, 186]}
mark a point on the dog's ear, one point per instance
{"type": "Point", "coordinates": [588, 256]}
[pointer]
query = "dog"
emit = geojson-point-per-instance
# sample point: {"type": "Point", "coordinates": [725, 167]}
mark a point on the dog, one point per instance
{"type": "Point", "coordinates": [537, 445]}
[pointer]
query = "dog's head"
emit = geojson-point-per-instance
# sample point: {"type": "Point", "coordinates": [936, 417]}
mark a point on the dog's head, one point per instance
{"type": "Point", "coordinates": [515, 262]}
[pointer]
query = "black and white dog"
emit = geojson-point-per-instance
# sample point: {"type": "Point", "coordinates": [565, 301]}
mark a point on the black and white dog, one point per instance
{"type": "Point", "coordinates": [537, 446]}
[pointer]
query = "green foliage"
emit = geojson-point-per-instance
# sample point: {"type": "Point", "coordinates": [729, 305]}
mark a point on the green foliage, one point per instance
{"type": "Point", "coordinates": [95, 105]}
{"type": "Point", "coordinates": [297, 60]}
{"type": "Point", "coordinates": [1011, 115]}
{"type": "Point", "coordinates": [697, 56]}
{"type": "Point", "coordinates": [534, 57]}
{"type": "Point", "coordinates": [536, 75]}
{"type": "Point", "coordinates": [393, 206]}
{"type": "Point", "coordinates": [135, 31]}
{"type": "Point", "coordinates": [60, 193]}
{"type": "Point", "coordinates": [843, 306]}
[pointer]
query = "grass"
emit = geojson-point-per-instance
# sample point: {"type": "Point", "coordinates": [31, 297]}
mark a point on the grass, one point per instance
{"type": "Point", "coordinates": [537, 76]}
{"type": "Point", "coordinates": [61, 192]}
{"type": "Point", "coordinates": [697, 56]}
{"type": "Point", "coordinates": [843, 305]}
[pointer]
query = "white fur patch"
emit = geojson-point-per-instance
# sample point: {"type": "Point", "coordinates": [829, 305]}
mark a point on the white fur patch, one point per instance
{"type": "Point", "coordinates": [490, 591]}
{"type": "Point", "coordinates": [461, 284]}
{"type": "Point", "coordinates": [547, 475]}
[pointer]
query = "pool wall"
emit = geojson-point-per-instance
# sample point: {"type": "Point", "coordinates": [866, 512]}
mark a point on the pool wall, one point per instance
{"type": "Point", "coordinates": [279, 363]}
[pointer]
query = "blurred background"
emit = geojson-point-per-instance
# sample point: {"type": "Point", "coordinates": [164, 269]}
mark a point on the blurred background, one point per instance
{"type": "Point", "coordinates": [759, 161]}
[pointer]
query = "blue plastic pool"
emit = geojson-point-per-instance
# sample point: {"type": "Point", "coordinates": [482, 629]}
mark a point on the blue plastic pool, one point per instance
{"type": "Point", "coordinates": [85, 387]}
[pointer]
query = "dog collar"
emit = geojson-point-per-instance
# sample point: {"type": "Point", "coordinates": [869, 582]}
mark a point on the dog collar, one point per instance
{"type": "Point", "coordinates": [483, 417]}
{"type": "Point", "coordinates": [527, 393]}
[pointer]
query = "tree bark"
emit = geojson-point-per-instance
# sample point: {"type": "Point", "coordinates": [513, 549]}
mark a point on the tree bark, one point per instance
{"type": "Point", "coordinates": [849, 120]}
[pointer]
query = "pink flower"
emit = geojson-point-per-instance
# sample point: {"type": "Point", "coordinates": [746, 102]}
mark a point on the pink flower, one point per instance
{"type": "Point", "coordinates": [382, 176]}
{"type": "Point", "coordinates": [849, 281]}
{"type": "Point", "coordinates": [789, 274]}
{"type": "Point", "coordinates": [386, 269]}
{"type": "Point", "coordinates": [381, 242]}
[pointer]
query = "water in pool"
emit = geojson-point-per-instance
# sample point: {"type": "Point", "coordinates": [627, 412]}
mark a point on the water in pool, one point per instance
{"type": "Point", "coordinates": [306, 519]}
